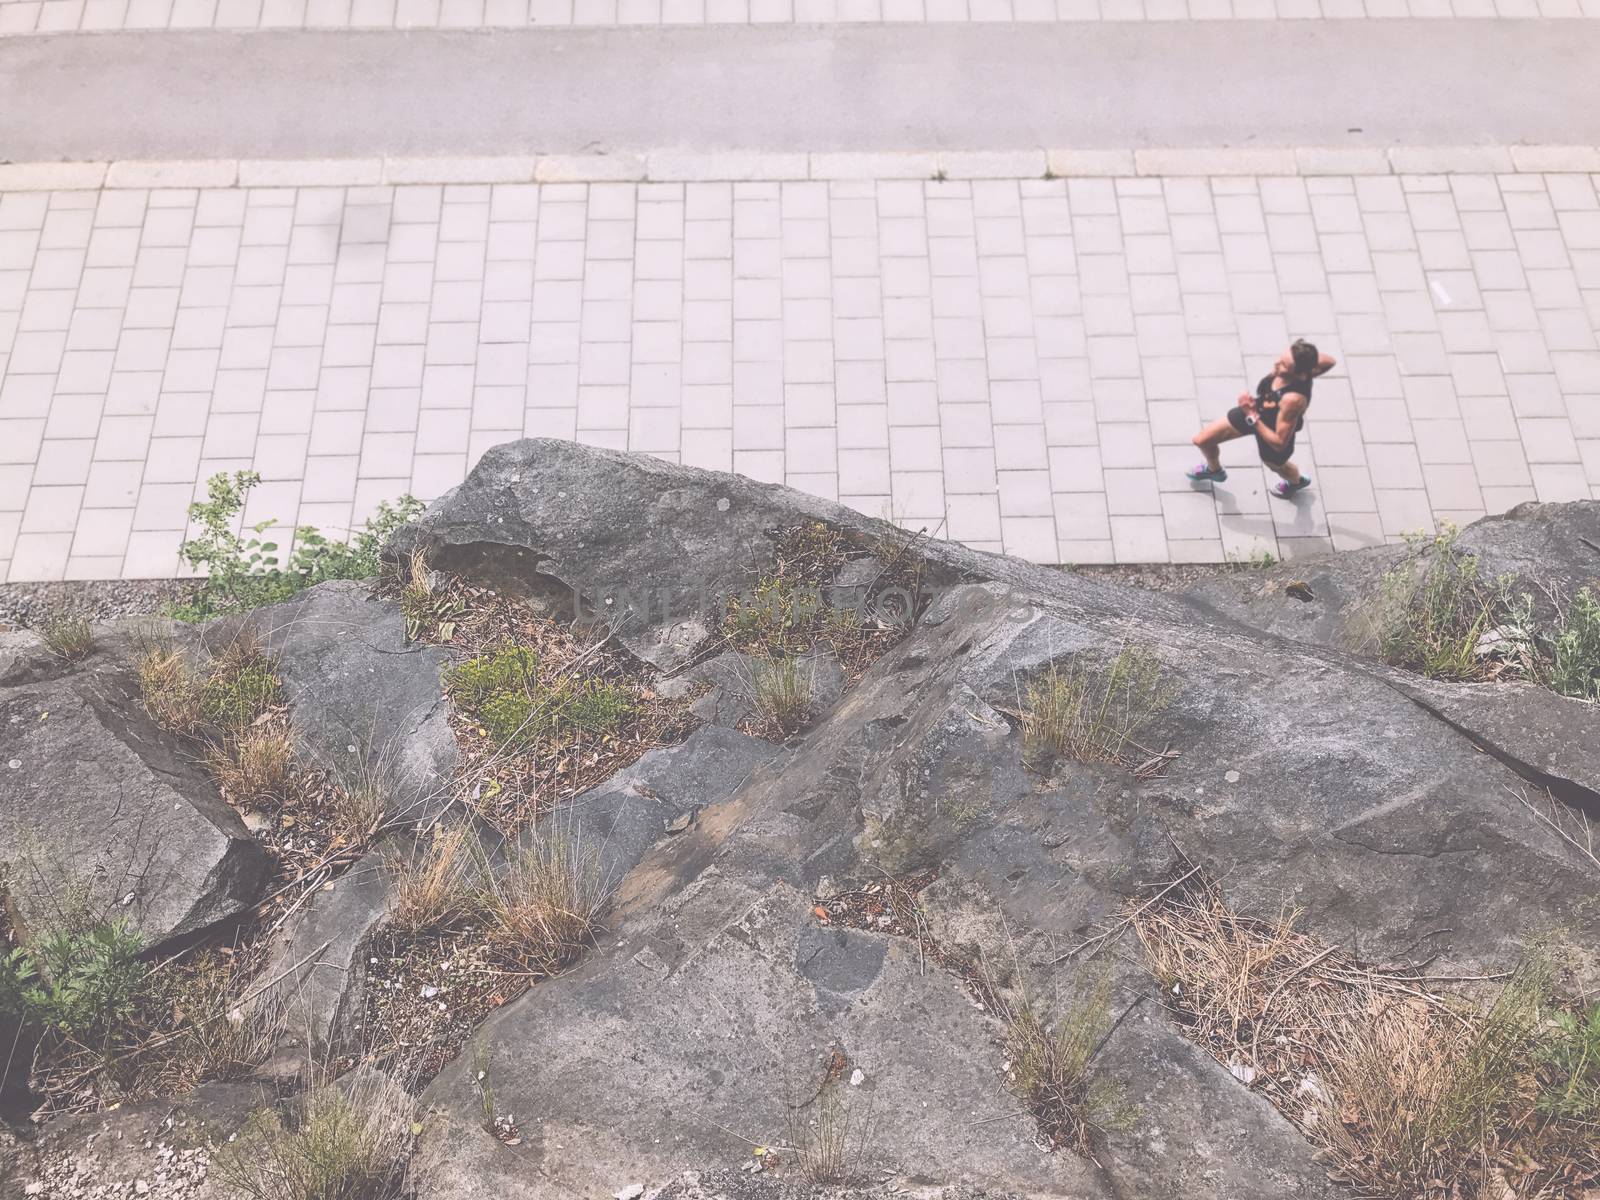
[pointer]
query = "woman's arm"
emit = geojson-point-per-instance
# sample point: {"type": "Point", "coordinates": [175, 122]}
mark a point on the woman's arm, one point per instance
{"type": "Point", "coordinates": [1325, 363]}
{"type": "Point", "coordinates": [1288, 421]}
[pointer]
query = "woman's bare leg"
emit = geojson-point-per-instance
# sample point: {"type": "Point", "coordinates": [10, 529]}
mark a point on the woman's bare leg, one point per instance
{"type": "Point", "coordinates": [1212, 436]}
{"type": "Point", "coordinates": [1288, 470]}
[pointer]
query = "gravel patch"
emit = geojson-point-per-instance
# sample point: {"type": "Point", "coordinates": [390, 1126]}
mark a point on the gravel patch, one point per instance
{"type": "Point", "coordinates": [24, 605]}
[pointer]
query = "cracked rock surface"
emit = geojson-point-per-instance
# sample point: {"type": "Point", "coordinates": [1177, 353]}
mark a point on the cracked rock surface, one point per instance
{"type": "Point", "coordinates": [1297, 773]}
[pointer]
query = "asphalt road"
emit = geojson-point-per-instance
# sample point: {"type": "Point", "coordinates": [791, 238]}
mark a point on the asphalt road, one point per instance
{"type": "Point", "coordinates": [918, 87]}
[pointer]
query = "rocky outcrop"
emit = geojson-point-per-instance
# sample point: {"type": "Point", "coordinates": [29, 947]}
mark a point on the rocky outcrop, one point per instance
{"type": "Point", "coordinates": [1286, 766]}
{"type": "Point", "coordinates": [103, 815]}
{"type": "Point", "coordinates": [366, 701]}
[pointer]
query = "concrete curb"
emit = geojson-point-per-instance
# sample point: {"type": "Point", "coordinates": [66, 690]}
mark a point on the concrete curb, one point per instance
{"type": "Point", "coordinates": [735, 166]}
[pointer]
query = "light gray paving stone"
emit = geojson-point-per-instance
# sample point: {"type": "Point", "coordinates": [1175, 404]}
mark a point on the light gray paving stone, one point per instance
{"type": "Point", "coordinates": [1027, 357]}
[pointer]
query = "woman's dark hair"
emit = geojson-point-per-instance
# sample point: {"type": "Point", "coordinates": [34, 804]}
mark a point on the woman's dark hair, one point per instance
{"type": "Point", "coordinates": [1305, 356]}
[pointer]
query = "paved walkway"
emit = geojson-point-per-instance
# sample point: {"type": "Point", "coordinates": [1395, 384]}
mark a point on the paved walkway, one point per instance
{"type": "Point", "coordinates": [1016, 363]}
{"type": "Point", "coordinates": [987, 281]}
{"type": "Point", "coordinates": [58, 16]}
{"type": "Point", "coordinates": [764, 90]}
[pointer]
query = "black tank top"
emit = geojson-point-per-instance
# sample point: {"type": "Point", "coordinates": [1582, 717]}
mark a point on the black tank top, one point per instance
{"type": "Point", "coordinates": [1269, 399]}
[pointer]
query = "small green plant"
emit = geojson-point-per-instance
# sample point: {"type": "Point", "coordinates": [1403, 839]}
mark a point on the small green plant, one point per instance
{"type": "Point", "coordinates": [427, 608]}
{"type": "Point", "coordinates": [1575, 669]}
{"type": "Point", "coordinates": [1052, 1069]}
{"type": "Point", "coordinates": [350, 1142]}
{"type": "Point", "coordinates": [1086, 714]}
{"type": "Point", "coordinates": [1258, 559]}
{"type": "Point", "coordinates": [1570, 1052]}
{"type": "Point", "coordinates": [234, 698]}
{"type": "Point", "coordinates": [779, 616]}
{"type": "Point", "coordinates": [780, 692]}
{"type": "Point", "coordinates": [67, 635]}
{"type": "Point", "coordinates": [593, 706]}
{"type": "Point", "coordinates": [504, 693]}
{"type": "Point", "coordinates": [1435, 610]}
{"type": "Point", "coordinates": [511, 668]}
{"type": "Point", "coordinates": [243, 572]}
{"type": "Point", "coordinates": [80, 984]}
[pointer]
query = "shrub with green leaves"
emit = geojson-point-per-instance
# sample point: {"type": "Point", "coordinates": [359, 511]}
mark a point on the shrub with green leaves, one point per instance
{"type": "Point", "coordinates": [79, 985]}
{"type": "Point", "coordinates": [243, 572]}
{"type": "Point", "coordinates": [1575, 670]}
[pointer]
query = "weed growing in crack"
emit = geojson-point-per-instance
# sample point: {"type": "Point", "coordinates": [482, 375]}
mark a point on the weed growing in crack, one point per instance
{"type": "Point", "coordinates": [254, 767]}
{"type": "Point", "coordinates": [1435, 608]}
{"type": "Point", "coordinates": [168, 687]}
{"type": "Point", "coordinates": [544, 907]}
{"type": "Point", "coordinates": [438, 884]}
{"type": "Point", "coordinates": [1052, 1065]}
{"type": "Point", "coordinates": [830, 1137]}
{"type": "Point", "coordinates": [350, 1143]}
{"type": "Point", "coordinates": [518, 709]}
{"type": "Point", "coordinates": [1575, 666]}
{"type": "Point", "coordinates": [780, 692]}
{"type": "Point", "coordinates": [1082, 713]}
{"type": "Point", "coordinates": [67, 635]}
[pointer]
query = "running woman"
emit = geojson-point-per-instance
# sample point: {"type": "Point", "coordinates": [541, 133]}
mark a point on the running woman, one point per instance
{"type": "Point", "coordinates": [1274, 414]}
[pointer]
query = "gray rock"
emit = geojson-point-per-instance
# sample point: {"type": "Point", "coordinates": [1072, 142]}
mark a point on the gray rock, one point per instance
{"type": "Point", "coordinates": [104, 816]}
{"type": "Point", "coordinates": [317, 962]}
{"type": "Point", "coordinates": [654, 548]}
{"type": "Point", "coordinates": [364, 700]}
{"type": "Point", "coordinates": [1302, 774]}
{"type": "Point", "coordinates": [1304, 777]}
{"type": "Point", "coordinates": [641, 804]}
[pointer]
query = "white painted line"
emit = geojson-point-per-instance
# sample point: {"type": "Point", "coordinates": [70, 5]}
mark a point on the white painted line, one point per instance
{"type": "Point", "coordinates": [673, 166]}
{"type": "Point", "coordinates": [314, 172]}
{"type": "Point", "coordinates": [458, 170]}
{"type": "Point", "coordinates": [50, 177]}
{"type": "Point", "coordinates": [1450, 160]}
{"type": "Point", "coordinates": [204, 173]}
{"type": "Point", "coordinates": [891, 165]}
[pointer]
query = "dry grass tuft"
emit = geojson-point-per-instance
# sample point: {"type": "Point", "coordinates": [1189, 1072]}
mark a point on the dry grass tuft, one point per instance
{"type": "Point", "coordinates": [830, 1137]}
{"type": "Point", "coordinates": [1052, 1068]}
{"type": "Point", "coordinates": [780, 692]}
{"type": "Point", "coordinates": [333, 1143]}
{"type": "Point", "coordinates": [359, 801]}
{"type": "Point", "coordinates": [170, 691]}
{"type": "Point", "coordinates": [67, 635]}
{"type": "Point", "coordinates": [437, 885]}
{"type": "Point", "coordinates": [1085, 713]}
{"type": "Point", "coordinates": [1407, 1090]}
{"type": "Point", "coordinates": [544, 908]}
{"type": "Point", "coordinates": [258, 765]}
